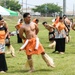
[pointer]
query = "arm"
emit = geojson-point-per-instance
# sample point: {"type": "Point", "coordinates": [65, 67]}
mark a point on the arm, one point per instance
{"type": "Point", "coordinates": [21, 31]}
{"type": "Point", "coordinates": [24, 45]}
{"type": "Point", "coordinates": [66, 29]}
{"type": "Point", "coordinates": [37, 29]}
{"type": "Point", "coordinates": [17, 27]}
{"type": "Point", "coordinates": [48, 27]}
{"type": "Point", "coordinates": [73, 26]}
{"type": "Point", "coordinates": [7, 30]}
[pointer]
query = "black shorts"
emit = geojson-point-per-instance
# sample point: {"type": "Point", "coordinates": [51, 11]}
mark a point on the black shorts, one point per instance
{"type": "Point", "coordinates": [51, 36]}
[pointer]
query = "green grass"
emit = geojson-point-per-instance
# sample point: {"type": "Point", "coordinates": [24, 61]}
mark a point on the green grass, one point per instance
{"type": "Point", "coordinates": [65, 64]}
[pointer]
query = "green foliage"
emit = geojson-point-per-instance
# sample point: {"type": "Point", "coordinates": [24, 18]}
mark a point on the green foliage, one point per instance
{"type": "Point", "coordinates": [11, 4]}
{"type": "Point", "coordinates": [49, 8]}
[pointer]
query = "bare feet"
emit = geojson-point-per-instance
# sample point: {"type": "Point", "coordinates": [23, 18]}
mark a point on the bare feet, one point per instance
{"type": "Point", "coordinates": [13, 55]}
{"type": "Point", "coordinates": [31, 70]}
{"type": "Point", "coordinates": [51, 65]}
{"type": "Point", "coordinates": [2, 72]}
{"type": "Point", "coordinates": [61, 52]}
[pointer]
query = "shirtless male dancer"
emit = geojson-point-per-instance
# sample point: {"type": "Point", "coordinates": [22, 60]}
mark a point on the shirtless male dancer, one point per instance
{"type": "Point", "coordinates": [68, 24]}
{"type": "Point", "coordinates": [30, 29]}
{"type": "Point", "coordinates": [51, 30]}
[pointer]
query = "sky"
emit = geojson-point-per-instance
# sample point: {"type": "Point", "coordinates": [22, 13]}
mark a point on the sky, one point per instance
{"type": "Point", "coordinates": [70, 4]}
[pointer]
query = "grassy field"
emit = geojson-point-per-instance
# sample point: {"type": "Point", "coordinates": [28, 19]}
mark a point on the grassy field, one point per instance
{"type": "Point", "coordinates": [65, 64]}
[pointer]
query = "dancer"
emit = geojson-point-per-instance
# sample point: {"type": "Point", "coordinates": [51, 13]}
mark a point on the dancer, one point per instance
{"type": "Point", "coordinates": [51, 30]}
{"type": "Point", "coordinates": [60, 36]}
{"type": "Point", "coordinates": [31, 30]}
{"type": "Point", "coordinates": [68, 25]}
{"type": "Point", "coordinates": [7, 41]}
{"type": "Point", "coordinates": [3, 35]}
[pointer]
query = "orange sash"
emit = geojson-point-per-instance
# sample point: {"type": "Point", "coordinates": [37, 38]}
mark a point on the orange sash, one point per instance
{"type": "Point", "coordinates": [30, 48]}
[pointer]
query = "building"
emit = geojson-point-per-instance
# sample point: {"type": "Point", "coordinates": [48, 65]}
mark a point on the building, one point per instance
{"type": "Point", "coordinates": [28, 9]}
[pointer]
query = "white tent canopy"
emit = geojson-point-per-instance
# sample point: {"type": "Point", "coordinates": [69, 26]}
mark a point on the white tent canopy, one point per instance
{"type": "Point", "coordinates": [7, 12]}
{"type": "Point", "coordinates": [3, 11]}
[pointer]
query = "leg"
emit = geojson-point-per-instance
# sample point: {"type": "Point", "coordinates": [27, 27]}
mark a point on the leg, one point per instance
{"type": "Point", "coordinates": [30, 62]}
{"type": "Point", "coordinates": [19, 40]}
{"type": "Point", "coordinates": [52, 45]}
{"type": "Point", "coordinates": [3, 64]}
{"type": "Point", "coordinates": [62, 47]}
{"type": "Point", "coordinates": [8, 51]}
{"type": "Point", "coordinates": [56, 46]}
{"type": "Point", "coordinates": [12, 50]}
{"type": "Point", "coordinates": [67, 39]}
{"type": "Point", "coordinates": [48, 59]}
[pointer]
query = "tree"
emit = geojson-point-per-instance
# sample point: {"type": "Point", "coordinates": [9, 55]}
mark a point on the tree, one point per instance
{"type": "Point", "coordinates": [48, 8]}
{"type": "Point", "coordinates": [10, 4]}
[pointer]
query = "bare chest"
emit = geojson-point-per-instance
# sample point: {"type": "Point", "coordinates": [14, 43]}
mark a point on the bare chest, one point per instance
{"type": "Point", "coordinates": [30, 28]}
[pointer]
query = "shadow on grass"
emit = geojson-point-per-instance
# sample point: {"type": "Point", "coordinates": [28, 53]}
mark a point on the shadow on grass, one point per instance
{"type": "Point", "coordinates": [26, 71]}
{"type": "Point", "coordinates": [18, 71]}
{"type": "Point", "coordinates": [8, 56]}
{"type": "Point", "coordinates": [43, 70]}
{"type": "Point", "coordinates": [46, 47]}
